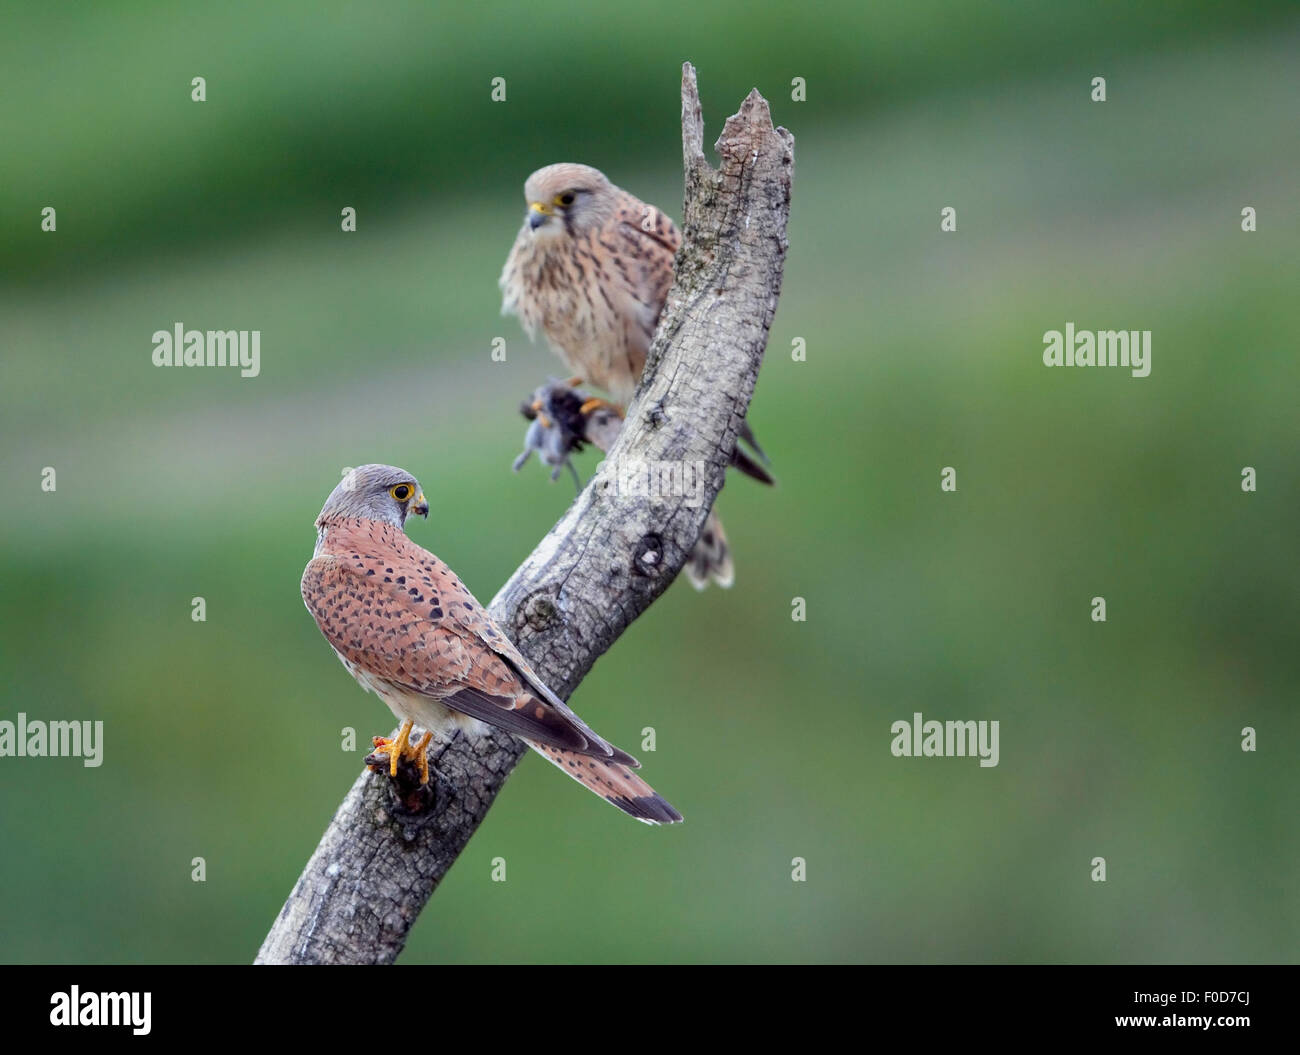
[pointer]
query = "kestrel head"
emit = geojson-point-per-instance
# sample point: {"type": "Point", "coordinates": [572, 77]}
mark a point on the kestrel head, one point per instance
{"type": "Point", "coordinates": [376, 492]}
{"type": "Point", "coordinates": [567, 197]}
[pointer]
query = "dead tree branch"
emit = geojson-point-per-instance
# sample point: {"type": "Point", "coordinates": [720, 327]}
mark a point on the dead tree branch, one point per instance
{"type": "Point", "coordinates": [605, 561]}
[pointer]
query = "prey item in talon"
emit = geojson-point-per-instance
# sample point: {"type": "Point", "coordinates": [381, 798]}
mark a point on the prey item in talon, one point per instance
{"type": "Point", "coordinates": [389, 754]}
{"type": "Point", "coordinates": [590, 269]}
{"type": "Point", "coordinates": [557, 427]}
{"type": "Point", "coordinates": [553, 448]}
{"type": "Point", "coordinates": [400, 749]}
{"type": "Point", "coordinates": [408, 630]}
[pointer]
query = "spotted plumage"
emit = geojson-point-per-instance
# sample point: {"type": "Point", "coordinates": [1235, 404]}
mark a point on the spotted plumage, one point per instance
{"type": "Point", "coordinates": [408, 630]}
{"type": "Point", "coordinates": [592, 276]}
{"type": "Point", "coordinates": [590, 270]}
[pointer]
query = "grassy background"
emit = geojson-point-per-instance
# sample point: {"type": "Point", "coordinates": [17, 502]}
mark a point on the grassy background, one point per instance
{"type": "Point", "coordinates": [222, 738]}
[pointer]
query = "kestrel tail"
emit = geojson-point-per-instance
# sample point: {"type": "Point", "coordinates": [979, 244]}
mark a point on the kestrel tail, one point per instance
{"type": "Point", "coordinates": [408, 630]}
{"type": "Point", "coordinates": [590, 269]}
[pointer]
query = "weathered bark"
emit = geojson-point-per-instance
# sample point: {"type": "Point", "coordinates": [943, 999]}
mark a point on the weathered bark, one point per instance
{"type": "Point", "coordinates": [605, 561]}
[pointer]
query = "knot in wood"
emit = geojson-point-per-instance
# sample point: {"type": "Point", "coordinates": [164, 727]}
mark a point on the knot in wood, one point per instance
{"type": "Point", "coordinates": [539, 612]}
{"type": "Point", "coordinates": [649, 555]}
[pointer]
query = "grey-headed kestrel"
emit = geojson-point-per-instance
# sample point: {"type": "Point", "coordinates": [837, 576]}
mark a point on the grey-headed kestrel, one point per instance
{"type": "Point", "coordinates": [591, 268]}
{"type": "Point", "coordinates": [409, 631]}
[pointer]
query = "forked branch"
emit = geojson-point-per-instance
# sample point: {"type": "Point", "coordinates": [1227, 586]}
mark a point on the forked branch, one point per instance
{"type": "Point", "coordinates": [601, 566]}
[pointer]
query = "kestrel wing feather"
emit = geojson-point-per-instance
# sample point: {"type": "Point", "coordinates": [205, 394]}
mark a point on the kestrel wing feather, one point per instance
{"type": "Point", "coordinates": [644, 245]}
{"type": "Point", "coordinates": [385, 604]}
{"type": "Point", "coordinates": [644, 224]}
{"type": "Point", "coordinates": [747, 465]}
{"type": "Point", "coordinates": [475, 621]}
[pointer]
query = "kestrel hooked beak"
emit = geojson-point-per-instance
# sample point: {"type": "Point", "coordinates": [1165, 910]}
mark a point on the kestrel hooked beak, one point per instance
{"type": "Point", "coordinates": [538, 213]}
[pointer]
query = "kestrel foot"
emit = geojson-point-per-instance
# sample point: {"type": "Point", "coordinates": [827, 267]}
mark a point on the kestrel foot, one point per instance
{"type": "Point", "coordinates": [399, 746]}
{"type": "Point", "coordinates": [536, 407]}
{"type": "Point", "coordinates": [422, 756]}
{"type": "Point", "coordinates": [594, 403]}
{"type": "Point", "coordinates": [389, 753]}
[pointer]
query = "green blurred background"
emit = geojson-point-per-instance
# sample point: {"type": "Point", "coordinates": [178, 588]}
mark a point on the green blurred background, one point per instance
{"type": "Point", "coordinates": [222, 738]}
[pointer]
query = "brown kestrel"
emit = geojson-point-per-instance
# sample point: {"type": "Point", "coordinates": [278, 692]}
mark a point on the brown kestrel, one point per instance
{"type": "Point", "coordinates": [408, 630]}
{"type": "Point", "coordinates": [590, 269]}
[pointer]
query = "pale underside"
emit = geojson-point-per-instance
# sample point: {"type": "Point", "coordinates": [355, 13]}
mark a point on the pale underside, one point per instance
{"type": "Point", "coordinates": [425, 711]}
{"type": "Point", "coordinates": [595, 295]}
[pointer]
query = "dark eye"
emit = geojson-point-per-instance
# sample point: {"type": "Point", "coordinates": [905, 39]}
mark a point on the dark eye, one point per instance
{"type": "Point", "coordinates": [401, 492]}
{"type": "Point", "coordinates": [566, 198]}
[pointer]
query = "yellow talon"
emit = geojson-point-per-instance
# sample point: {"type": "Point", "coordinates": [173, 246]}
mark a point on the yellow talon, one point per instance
{"type": "Point", "coordinates": [422, 756]}
{"type": "Point", "coordinates": [593, 403]}
{"type": "Point", "coordinates": [399, 746]}
{"type": "Point", "coordinates": [400, 749]}
{"type": "Point", "coordinates": [536, 407]}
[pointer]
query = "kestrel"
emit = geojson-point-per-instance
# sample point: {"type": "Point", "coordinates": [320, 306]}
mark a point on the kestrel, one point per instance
{"type": "Point", "coordinates": [409, 631]}
{"type": "Point", "coordinates": [591, 268]}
